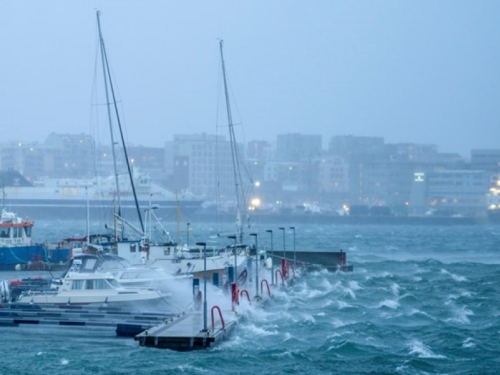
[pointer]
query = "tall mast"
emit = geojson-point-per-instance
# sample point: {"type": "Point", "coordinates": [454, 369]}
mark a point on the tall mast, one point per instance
{"type": "Point", "coordinates": [88, 215]}
{"type": "Point", "coordinates": [108, 106]}
{"type": "Point", "coordinates": [240, 198]}
{"type": "Point", "coordinates": [107, 76]}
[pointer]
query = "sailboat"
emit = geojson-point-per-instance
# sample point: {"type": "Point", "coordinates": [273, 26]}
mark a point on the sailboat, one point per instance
{"type": "Point", "coordinates": [179, 259]}
{"type": "Point", "coordinates": [241, 199]}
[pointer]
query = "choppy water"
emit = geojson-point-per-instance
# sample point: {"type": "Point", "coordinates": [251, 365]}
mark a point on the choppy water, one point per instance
{"type": "Point", "coordinates": [420, 300]}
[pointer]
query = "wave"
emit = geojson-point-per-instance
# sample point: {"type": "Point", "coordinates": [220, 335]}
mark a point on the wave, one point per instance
{"type": "Point", "coordinates": [420, 350]}
{"type": "Point", "coordinates": [390, 304]}
{"type": "Point", "coordinates": [454, 276]}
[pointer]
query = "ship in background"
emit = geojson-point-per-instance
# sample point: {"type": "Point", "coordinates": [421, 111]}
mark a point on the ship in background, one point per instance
{"type": "Point", "coordinates": [69, 198]}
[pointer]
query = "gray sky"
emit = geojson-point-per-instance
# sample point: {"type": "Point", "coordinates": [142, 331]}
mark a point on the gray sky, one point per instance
{"type": "Point", "coordinates": [408, 71]}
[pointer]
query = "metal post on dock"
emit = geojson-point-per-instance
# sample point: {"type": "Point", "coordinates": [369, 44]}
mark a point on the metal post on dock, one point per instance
{"type": "Point", "coordinates": [272, 256]}
{"type": "Point", "coordinates": [233, 237]}
{"type": "Point", "coordinates": [204, 284]}
{"type": "Point", "coordinates": [284, 247]}
{"type": "Point", "coordinates": [294, 251]}
{"type": "Point", "coordinates": [256, 265]}
{"type": "Point", "coordinates": [187, 234]}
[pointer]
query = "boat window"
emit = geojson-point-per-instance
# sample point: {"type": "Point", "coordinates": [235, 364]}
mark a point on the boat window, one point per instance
{"type": "Point", "coordinates": [166, 250]}
{"type": "Point", "coordinates": [133, 247]}
{"type": "Point", "coordinates": [77, 284]}
{"type": "Point", "coordinates": [27, 231]}
{"type": "Point", "coordinates": [4, 233]}
{"type": "Point", "coordinates": [113, 283]}
{"type": "Point", "coordinates": [89, 264]}
{"type": "Point", "coordinates": [89, 284]}
{"type": "Point", "coordinates": [111, 265]}
{"type": "Point", "coordinates": [101, 284]}
{"type": "Point", "coordinates": [131, 275]}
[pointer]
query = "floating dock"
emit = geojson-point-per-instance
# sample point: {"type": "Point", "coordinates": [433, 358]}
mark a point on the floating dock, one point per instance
{"type": "Point", "coordinates": [126, 323]}
{"type": "Point", "coordinates": [186, 333]}
{"type": "Point", "coordinates": [195, 329]}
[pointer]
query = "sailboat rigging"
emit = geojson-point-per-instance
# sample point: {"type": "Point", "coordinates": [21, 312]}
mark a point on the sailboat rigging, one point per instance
{"type": "Point", "coordinates": [241, 200]}
{"type": "Point", "coordinates": [108, 81]}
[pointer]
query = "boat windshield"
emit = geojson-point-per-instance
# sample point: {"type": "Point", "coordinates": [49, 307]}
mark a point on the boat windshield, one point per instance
{"type": "Point", "coordinates": [115, 264]}
{"type": "Point", "coordinates": [114, 283]}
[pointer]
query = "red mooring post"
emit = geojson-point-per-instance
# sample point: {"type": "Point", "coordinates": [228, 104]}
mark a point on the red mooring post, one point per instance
{"type": "Point", "coordinates": [342, 262]}
{"type": "Point", "coordinates": [235, 295]}
{"type": "Point", "coordinates": [284, 268]}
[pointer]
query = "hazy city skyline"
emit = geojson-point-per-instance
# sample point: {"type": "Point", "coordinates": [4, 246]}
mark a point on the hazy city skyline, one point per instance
{"type": "Point", "coordinates": [423, 72]}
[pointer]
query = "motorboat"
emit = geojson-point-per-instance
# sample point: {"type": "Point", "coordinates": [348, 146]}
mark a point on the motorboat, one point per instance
{"type": "Point", "coordinates": [126, 274]}
{"type": "Point", "coordinates": [85, 288]}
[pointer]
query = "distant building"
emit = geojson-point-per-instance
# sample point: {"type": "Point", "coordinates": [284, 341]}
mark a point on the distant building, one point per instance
{"type": "Point", "coordinates": [205, 162]}
{"type": "Point", "coordinates": [296, 147]}
{"type": "Point", "coordinates": [450, 192]}
{"type": "Point", "coordinates": [69, 155]}
{"type": "Point", "coordinates": [259, 150]}
{"type": "Point", "coordinates": [333, 175]}
{"type": "Point", "coordinates": [348, 145]}
{"type": "Point", "coordinates": [488, 160]}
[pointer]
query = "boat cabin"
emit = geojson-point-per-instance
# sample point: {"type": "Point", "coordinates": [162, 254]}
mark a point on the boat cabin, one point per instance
{"type": "Point", "coordinates": [13, 230]}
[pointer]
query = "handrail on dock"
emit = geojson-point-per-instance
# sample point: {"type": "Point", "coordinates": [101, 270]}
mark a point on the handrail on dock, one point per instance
{"type": "Point", "coordinates": [264, 281]}
{"type": "Point", "coordinates": [276, 277]}
{"type": "Point", "coordinates": [244, 291]}
{"type": "Point", "coordinates": [293, 268]}
{"type": "Point", "coordinates": [220, 315]}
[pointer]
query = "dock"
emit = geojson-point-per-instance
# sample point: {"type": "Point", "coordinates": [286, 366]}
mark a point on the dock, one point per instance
{"type": "Point", "coordinates": [186, 333]}
{"type": "Point", "coordinates": [200, 327]}
{"type": "Point", "coordinates": [126, 323]}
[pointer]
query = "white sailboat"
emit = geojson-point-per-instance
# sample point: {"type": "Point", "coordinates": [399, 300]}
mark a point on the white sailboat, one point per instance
{"type": "Point", "coordinates": [240, 194]}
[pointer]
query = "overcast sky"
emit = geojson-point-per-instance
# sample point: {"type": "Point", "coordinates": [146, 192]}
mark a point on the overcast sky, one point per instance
{"type": "Point", "coordinates": [407, 71]}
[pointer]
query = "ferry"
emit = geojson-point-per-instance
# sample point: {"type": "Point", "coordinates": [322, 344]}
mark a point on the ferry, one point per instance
{"type": "Point", "coordinates": [68, 198]}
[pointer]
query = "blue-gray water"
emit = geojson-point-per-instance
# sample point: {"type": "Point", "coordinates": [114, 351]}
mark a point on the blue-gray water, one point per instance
{"type": "Point", "coordinates": [421, 299]}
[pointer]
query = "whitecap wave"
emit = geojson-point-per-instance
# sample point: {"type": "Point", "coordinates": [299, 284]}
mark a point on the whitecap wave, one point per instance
{"type": "Point", "coordinates": [395, 289]}
{"type": "Point", "coordinates": [419, 349]}
{"type": "Point", "coordinates": [259, 331]}
{"type": "Point", "coordinates": [468, 343]}
{"type": "Point", "coordinates": [354, 285]}
{"type": "Point", "coordinates": [455, 277]}
{"type": "Point", "coordinates": [391, 304]}
{"type": "Point", "coordinates": [460, 315]}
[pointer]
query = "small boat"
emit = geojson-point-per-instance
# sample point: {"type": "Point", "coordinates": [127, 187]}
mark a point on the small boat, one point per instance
{"type": "Point", "coordinates": [17, 250]}
{"type": "Point", "coordinates": [83, 288]}
{"type": "Point", "coordinates": [181, 260]}
{"type": "Point", "coordinates": [126, 274]}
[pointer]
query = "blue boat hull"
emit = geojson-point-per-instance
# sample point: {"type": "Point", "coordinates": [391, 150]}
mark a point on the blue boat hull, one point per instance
{"type": "Point", "coordinates": [22, 255]}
